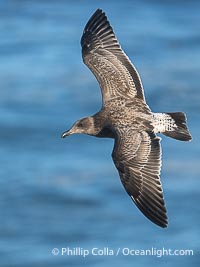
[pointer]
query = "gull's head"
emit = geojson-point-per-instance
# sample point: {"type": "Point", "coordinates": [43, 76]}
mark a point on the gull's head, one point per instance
{"type": "Point", "coordinates": [82, 126]}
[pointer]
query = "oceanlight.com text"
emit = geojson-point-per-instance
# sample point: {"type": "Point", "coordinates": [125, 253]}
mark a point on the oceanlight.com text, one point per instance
{"type": "Point", "coordinates": [125, 251]}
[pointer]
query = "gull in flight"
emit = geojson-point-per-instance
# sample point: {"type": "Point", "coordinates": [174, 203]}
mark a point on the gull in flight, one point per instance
{"type": "Point", "coordinates": [126, 117]}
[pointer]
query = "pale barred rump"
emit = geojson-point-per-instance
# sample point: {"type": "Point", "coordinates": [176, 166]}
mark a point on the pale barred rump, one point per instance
{"type": "Point", "coordinates": [172, 125]}
{"type": "Point", "coordinates": [163, 122]}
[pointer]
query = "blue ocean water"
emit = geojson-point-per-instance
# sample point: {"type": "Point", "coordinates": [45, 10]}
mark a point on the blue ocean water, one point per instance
{"type": "Point", "coordinates": [58, 193]}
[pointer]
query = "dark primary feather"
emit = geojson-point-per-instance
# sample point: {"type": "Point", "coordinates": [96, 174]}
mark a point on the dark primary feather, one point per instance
{"type": "Point", "coordinates": [137, 156]}
{"type": "Point", "coordinates": [105, 58]}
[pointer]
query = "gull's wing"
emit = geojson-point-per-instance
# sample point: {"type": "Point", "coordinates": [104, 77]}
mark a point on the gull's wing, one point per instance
{"type": "Point", "coordinates": [103, 55]}
{"type": "Point", "coordinates": [137, 157]}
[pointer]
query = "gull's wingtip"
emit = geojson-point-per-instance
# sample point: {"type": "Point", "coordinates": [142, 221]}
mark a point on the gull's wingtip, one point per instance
{"type": "Point", "coordinates": [99, 10]}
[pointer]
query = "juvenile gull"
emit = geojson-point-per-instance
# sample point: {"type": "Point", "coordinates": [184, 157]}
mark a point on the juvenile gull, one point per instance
{"type": "Point", "coordinates": [126, 117]}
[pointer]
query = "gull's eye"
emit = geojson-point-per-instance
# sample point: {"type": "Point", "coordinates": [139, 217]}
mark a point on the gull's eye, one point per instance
{"type": "Point", "coordinates": [80, 124]}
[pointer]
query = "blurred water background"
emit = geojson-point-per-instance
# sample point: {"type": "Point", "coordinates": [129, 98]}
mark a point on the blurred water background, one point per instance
{"type": "Point", "coordinates": [58, 193]}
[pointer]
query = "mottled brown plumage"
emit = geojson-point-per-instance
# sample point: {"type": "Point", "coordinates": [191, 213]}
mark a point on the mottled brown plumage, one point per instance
{"type": "Point", "coordinates": [126, 117]}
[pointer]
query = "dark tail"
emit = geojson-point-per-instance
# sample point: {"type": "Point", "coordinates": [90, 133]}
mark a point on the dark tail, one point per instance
{"type": "Point", "coordinates": [180, 130]}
